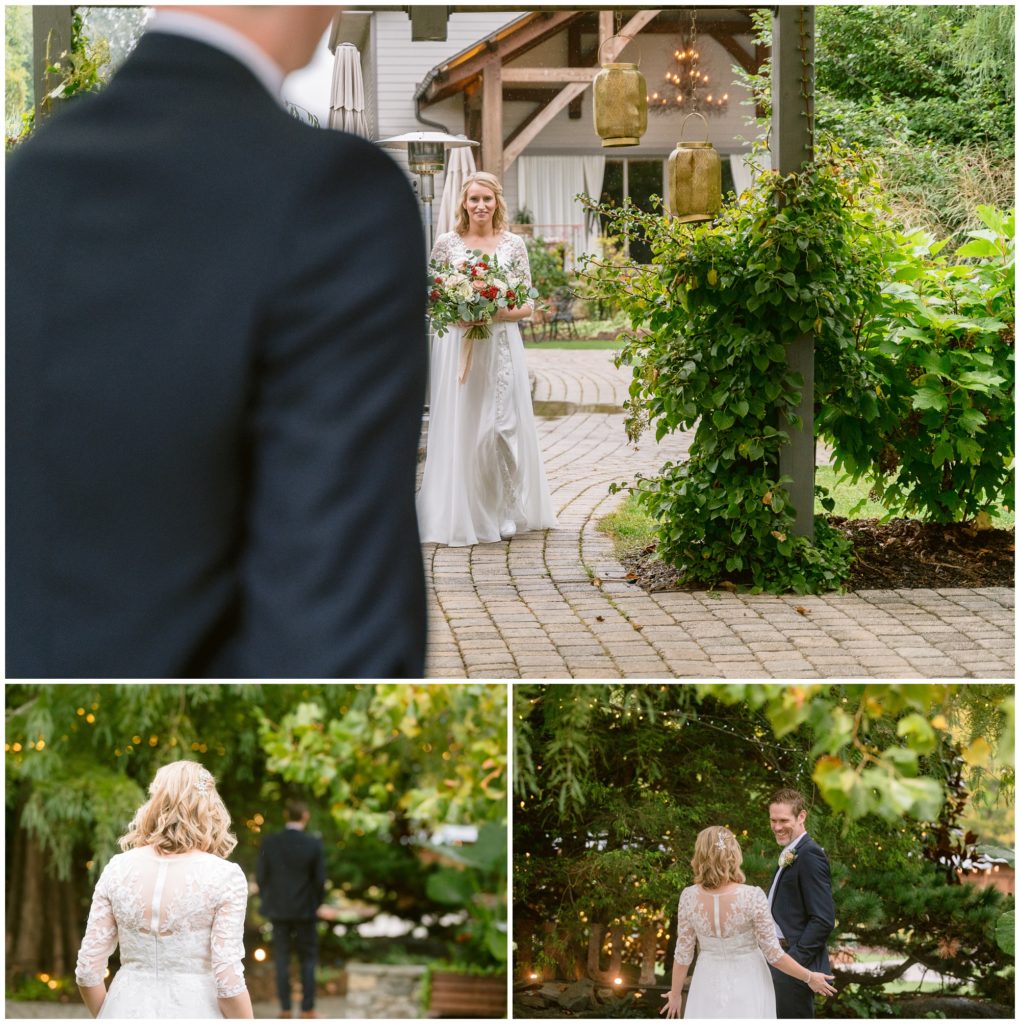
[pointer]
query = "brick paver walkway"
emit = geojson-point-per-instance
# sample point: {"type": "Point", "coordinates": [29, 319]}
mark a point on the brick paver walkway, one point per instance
{"type": "Point", "coordinates": [530, 609]}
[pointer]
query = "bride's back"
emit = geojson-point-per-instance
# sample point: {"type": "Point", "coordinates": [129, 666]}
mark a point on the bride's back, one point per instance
{"type": "Point", "coordinates": [179, 913]}
{"type": "Point", "coordinates": [736, 918]}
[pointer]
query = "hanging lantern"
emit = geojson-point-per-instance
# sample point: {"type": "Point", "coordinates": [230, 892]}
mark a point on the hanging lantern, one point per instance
{"type": "Point", "coordinates": [695, 178]}
{"type": "Point", "coordinates": [620, 106]}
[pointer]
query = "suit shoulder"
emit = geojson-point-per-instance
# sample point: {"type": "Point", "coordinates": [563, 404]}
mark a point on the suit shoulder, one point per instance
{"type": "Point", "coordinates": [329, 144]}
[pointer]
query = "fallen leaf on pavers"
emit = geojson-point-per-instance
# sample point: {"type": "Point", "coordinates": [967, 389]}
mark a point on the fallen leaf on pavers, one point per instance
{"type": "Point", "coordinates": [600, 618]}
{"type": "Point", "coordinates": [596, 582]}
{"type": "Point", "coordinates": [801, 611]}
{"type": "Point", "coordinates": [637, 626]}
{"type": "Point", "coordinates": [631, 576]}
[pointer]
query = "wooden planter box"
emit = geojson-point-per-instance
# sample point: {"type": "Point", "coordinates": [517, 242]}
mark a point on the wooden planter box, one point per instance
{"type": "Point", "coordinates": [467, 995]}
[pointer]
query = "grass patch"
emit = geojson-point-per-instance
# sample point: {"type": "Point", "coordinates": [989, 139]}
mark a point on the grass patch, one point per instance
{"type": "Point", "coordinates": [896, 987]}
{"type": "Point", "coordinates": [631, 528]}
{"type": "Point", "coordinates": [575, 344]}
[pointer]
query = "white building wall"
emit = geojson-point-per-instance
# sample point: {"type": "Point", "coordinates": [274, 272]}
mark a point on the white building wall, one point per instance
{"type": "Point", "coordinates": [401, 65]}
{"type": "Point", "coordinates": [369, 67]}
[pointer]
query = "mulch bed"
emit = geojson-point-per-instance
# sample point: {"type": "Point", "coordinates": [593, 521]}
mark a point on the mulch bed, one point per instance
{"type": "Point", "coordinates": [899, 554]}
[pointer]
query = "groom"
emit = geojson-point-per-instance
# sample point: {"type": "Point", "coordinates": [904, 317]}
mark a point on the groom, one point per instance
{"type": "Point", "coordinates": [215, 374]}
{"type": "Point", "coordinates": [291, 874]}
{"type": "Point", "coordinates": [800, 898]}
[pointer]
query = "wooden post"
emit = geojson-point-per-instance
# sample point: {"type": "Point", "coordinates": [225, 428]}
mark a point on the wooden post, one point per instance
{"type": "Point", "coordinates": [492, 116]}
{"type": "Point", "coordinates": [575, 58]}
{"type": "Point", "coordinates": [51, 33]}
{"type": "Point", "coordinates": [792, 144]}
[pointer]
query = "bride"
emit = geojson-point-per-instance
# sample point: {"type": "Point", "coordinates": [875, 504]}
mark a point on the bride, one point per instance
{"type": "Point", "coordinates": [174, 905]}
{"type": "Point", "coordinates": [735, 934]}
{"type": "Point", "coordinates": [483, 479]}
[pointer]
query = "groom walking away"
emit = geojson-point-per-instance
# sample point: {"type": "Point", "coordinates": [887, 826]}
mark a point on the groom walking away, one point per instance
{"type": "Point", "coordinates": [291, 873]}
{"type": "Point", "coordinates": [215, 374]}
{"type": "Point", "coordinates": [800, 898]}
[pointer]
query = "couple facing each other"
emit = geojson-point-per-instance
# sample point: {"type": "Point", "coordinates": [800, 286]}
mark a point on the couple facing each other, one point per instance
{"type": "Point", "coordinates": [758, 956]}
{"type": "Point", "coordinates": [176, 907]}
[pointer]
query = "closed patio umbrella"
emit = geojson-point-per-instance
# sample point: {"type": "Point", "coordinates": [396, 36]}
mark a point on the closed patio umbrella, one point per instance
{"type": "Point", "coordinates": [460, 162]}
{"type": "Point", "coordinates": [347, 96]}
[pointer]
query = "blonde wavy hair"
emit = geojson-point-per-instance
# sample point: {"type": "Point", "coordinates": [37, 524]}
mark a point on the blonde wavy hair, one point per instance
{"type": "Point", "coordinates": [183, 813]}
{"type": "Point", "coordinates": [717, 858]}
{"type": "Point", "coordinates": [500, 218]}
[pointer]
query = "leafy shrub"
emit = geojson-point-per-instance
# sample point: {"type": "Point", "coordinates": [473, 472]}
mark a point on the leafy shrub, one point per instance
{"type": "Point", "coordinates": [935, 433]}
{"type": "Point", "coordinates": [710, 322]}
{"type": "Point", "coordinates": [547, 271]}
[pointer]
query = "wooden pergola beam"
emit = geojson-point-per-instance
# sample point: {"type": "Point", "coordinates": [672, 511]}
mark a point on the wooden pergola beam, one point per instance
{"type": "Point", "coordinates": [533, 76]}
{"type": "Point", "coordinates": [544, 25]}
{"type": "Point", "coordinates": [523, 136]}
{"type": "Point", "coordinates": [736, 51]}
{"type": "Point", "coordinates": [610, 47]}
{"type": "Point", "coordinates": [492, 115]}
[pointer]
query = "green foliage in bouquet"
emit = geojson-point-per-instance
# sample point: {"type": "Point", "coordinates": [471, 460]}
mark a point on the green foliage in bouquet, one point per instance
{"type": "Point", "coordinates": [472, 292]}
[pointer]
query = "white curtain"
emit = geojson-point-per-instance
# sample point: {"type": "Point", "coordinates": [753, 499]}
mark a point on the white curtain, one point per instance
{"type": "Point", "coordinates": [546, 186]}
{"type": "Point", "coordinates": [745, 167]}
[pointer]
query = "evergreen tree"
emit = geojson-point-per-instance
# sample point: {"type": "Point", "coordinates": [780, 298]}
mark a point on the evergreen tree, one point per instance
{"type": "Point", "coordinates": [614, 782]}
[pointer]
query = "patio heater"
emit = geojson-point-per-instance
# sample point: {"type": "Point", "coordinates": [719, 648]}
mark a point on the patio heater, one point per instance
{"type": "Point", "coordinates": [426, 157]}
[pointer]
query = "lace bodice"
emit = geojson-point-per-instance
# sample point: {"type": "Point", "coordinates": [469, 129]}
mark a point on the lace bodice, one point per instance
{"type": "Point", "coordinates": [511, 253]}
{"type": "Point", "coordinates": [171, 915]}
{"type": "Point", "coordinates": [734, 922]}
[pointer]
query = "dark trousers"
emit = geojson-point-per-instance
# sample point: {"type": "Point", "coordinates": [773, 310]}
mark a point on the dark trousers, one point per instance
{"type": "Point", "coordinates": [794, 1000]}
{"type": "Point", "coordinates": [303, 938]}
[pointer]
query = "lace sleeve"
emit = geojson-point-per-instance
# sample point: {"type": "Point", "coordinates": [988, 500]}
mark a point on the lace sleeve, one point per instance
{"type": "Point", "coordinates": [227, 940]}
{"type": "Point", "coordinates": [100, 936]}
{"type": "Point", "coordinates": [442, 249]}
{"type": "Point", "coordinates": [519, 259]}
{"type": "Point", "coordinates": [764, 927]}
{"type": "Point", "coordinates": [685, 934]}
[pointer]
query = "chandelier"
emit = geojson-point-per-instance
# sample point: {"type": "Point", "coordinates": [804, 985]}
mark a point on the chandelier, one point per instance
{"type": "Point", "coordinates": [685, 86]}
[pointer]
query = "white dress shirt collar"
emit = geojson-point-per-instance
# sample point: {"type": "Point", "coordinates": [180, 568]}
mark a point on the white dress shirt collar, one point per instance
{"type": "Point", "coordinates": [224, 38]}
{"type": "Point", "coordinates": [793, 845]}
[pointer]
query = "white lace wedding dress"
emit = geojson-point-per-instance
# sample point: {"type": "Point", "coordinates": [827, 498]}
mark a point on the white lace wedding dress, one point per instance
{"type": "Point", "coordinates": [483, 465]}
{"type": "Point", "coordinates": [180, 924]}
{"type": "Point", "coordinates": [736, 935]}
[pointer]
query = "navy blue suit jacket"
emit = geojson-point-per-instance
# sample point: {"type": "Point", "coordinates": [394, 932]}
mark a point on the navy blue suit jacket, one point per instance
{"type": "Point", "coordinates": [802, 906]}
{"type": "Point", "coordinates": [291, 874]}
{"type": "Point", "coordinates": [215, 379]}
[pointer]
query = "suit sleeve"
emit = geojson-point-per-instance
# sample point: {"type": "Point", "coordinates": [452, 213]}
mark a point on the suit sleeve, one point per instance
{"type": "Point", "coordinates": [262, 870]}
{"type": "Point", "coordinates": [333, 584]}
{"type": "Point", "coordinates": [320, 870]}
{"type": "Point", "coordinates": [816, 895]}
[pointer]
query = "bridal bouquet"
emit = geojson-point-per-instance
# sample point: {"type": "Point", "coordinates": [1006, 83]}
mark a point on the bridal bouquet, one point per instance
{"type": "Point", "coordinates": [471, 291]}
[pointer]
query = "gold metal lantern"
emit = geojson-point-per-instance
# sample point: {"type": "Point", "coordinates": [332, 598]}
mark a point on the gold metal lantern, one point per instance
{"type": "Point", "coordinates": [620, 105]}
{"type": "Point", "coordinates": [695, 178]}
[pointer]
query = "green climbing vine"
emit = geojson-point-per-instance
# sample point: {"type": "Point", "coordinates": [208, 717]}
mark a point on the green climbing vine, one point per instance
{"type": "Point", "coordinates": [710, 320]}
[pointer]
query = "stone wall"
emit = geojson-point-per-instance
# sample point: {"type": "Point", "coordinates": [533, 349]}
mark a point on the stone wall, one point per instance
{"type": "Point", "coordinates": [384, 990]}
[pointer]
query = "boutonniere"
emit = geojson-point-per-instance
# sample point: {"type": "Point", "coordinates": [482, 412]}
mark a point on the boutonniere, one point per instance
{"type": "Point", "coordinates": [788, 858]}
